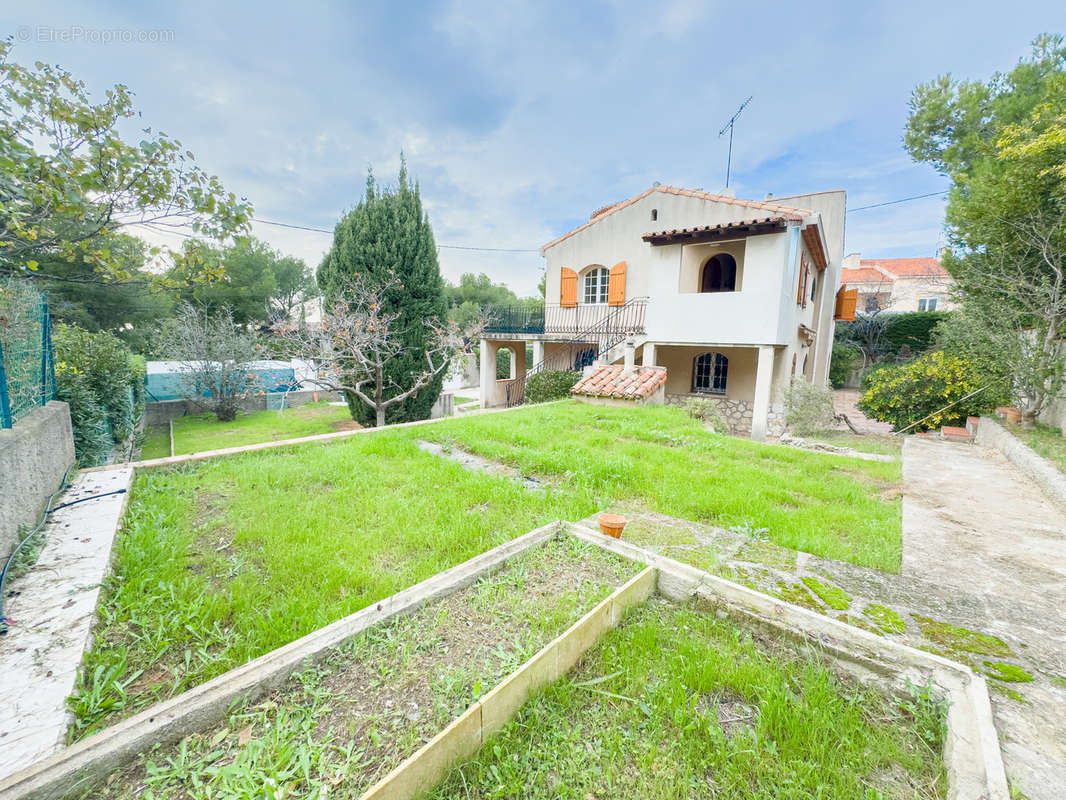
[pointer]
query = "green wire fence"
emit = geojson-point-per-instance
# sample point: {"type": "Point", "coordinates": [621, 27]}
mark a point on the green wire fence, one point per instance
{"type": "Point", "coordinates": [27, 362]}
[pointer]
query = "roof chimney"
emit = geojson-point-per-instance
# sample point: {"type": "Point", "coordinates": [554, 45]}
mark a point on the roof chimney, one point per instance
{"type": "Point", "coordinates": [630, 356]}
{"type": "Point", "coordinates": [769, 196]}
{"type": "Point", "coordinates": [943, 251]}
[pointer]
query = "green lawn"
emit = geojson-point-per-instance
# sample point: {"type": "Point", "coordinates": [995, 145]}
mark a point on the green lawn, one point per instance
{"type": "Point", "coordinates": [156, 442]}
{"type": "Point", "coordinates": [460, 400]}
{"type": "Point", "coordinates": [221, 561]}
{"type": "Point", "coordinates": [832, 506]}
{"type": "Point", "coordinates": [1045, 440]}
{"type": "Point", "coordinates": [680, 704]}
{"type": "Point", "coordinates": [196, 433]}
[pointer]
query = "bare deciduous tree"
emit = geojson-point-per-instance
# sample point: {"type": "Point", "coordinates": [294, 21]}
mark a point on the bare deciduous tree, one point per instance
{"type": "Point", "coordinates": [358, 339]}
{"type": "Point", "coordinates": [216, 359]}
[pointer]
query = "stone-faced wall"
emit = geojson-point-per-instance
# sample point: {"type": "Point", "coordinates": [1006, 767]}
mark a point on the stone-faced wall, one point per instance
{"type": "Point", "coordinates": [737, 413]}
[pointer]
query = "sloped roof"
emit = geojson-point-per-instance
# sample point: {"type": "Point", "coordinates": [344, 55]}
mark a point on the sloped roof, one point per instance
{"type": "Point", "coordinates": [908, 267]}
{"type": "Point", "coordinates": [863, 275]}
{"type": "Point", "coordinates": [796, 214]}
{"type": "Point", "coordinates": [613, 381]}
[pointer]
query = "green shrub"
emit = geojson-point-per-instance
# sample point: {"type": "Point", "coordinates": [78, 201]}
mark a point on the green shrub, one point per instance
{"type": "Point", "coordinates": [88, 417]}
{"type": "Point", "coordinates": [842, 364]}
{"type": "Point", "coordinates": [906, 393]}
{"type": "Point", "coordinates": [808, 407]}
{"type": "Point", "coordinates": [104, 384]}
{"type": "Point", "coordinates": [913, 331]}
{"type": "Point", "coordinates": [550, 384]}
{"type": "Point", "coordinates": [707, 411]}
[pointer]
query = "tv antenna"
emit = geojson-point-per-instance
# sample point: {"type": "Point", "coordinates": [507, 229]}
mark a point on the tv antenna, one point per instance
{"type": "Point", "coordinates": [729, 127]}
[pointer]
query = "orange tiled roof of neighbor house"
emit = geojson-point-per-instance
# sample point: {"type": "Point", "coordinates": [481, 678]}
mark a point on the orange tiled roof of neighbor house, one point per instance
{"type": "Point", "coordinates": [792, 213]}
{"type": "Point", "coordinates": [613, 381]}
{"type": "Point", "coordinates": [908, 267]}
{"type": "Point", "coordinates": [863, 275]}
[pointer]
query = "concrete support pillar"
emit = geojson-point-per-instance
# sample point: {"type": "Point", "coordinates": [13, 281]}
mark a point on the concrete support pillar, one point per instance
{"type": "Point", "coordinates": [649, 355]}
{"type": "Point", "coordinates": [488, 373]}
{"type": "Point", "coordinates": [538, 352]}
{"type": "Point", "coordinates": [763, 381]}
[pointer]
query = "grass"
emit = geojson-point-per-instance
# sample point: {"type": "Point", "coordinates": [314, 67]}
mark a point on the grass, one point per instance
{"type": "Point", "coordinates": [372, 702]}
{"type": "Point", "coordinates": [836, 507]}
{"type": "Point", "coordinates": [460, 400]}
{"type": "Point", "coordinates": [222, 561]}
{"type": "Point", "coordinates": [1045, 440]}
{"type": "Point", "coordinates": [225, 560]}
{"type": "Point", "coordinates": [867, 443]}
{"type": "Point", "coordinates": [156, 442]}
{"type": "Point", "coordinates": [679, 704]}
{"type": "Point", "coordinates": [199, 432]}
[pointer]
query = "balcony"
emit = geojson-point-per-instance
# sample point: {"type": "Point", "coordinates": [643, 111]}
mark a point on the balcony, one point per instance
{"type": "Point", "coordinates": [552, 321]}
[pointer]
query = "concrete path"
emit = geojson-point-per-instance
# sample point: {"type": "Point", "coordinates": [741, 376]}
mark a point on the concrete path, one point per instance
{"type": "Point", "coordinates": [976, 526]}
{"type": "Point", "coordinates": [52, 609]}
{"type": "Point", "coordinates": [845, 401]}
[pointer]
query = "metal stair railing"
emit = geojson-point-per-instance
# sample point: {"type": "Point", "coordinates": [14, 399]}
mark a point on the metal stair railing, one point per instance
{"type": "Point", "coordinates": [607, 332]}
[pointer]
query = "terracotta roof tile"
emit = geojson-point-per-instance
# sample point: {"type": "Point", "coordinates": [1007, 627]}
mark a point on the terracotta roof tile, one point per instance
{"type": "Point", "coordinates": [614, 381]}
{"type": "Point", "coordinates": [908, 267]}
{"type": "Point", "coordinates": [724, 226]}
{"type": "Point", "coordinates": [863, 275]}
{"type": "Point", "coordinates": [788, 211]}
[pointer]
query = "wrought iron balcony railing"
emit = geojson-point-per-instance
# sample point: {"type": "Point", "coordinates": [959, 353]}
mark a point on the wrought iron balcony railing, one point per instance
{"type": "Point", "coordinates": [570, 322]}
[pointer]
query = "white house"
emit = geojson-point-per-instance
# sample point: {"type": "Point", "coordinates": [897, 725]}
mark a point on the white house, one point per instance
{"type": "Point", "coordinates": [732, 297]}
{"type": "Point", "coordinates": [898, 284]}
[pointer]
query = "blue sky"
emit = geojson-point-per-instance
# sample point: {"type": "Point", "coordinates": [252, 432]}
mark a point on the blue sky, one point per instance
{"type": "Point", "coordinates": [520, 119]}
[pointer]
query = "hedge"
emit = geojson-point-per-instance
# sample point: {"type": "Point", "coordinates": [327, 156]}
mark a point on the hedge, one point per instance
{"type": "Point", "coordinates": [103, 382]}
{"type": "Point", "coordinates": [913, 330]}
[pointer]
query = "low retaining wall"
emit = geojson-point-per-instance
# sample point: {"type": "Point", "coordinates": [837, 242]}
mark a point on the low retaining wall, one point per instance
{"type": "Point", "coordinates": [162, 411]}
{"type": "Point", "coordinates": [34, 455]}
{"type": "Point", "coordinates": [1043, 473]}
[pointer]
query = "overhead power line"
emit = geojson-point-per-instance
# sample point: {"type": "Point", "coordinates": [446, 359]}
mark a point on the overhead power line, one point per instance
{"type": "Point", "coordinates": [442, 246]}
{"type": "Point", "coordinates": [901, 200]}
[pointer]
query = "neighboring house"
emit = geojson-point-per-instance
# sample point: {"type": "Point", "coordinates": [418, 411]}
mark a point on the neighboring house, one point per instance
{"type": "Point", "coordinates": [898, 284]}
{"type": "Point", "coordinates": [733, 297]}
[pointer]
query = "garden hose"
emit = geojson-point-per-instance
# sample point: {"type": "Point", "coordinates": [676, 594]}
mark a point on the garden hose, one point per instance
{"type": "Point", "coordinates": [49, 509]}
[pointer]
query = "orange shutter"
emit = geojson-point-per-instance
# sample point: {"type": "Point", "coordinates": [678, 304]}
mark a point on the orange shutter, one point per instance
{"type": "Point", "coordinates": [567, 288]}
{"type": "Point", "coordinates": [616, 287]}
{"type": "Point", "coordinates": [847, 300]}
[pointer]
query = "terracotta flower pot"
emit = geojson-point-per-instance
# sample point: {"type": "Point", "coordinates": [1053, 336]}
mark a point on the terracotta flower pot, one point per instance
{"type": "Point", "coordinates": [612, 524]}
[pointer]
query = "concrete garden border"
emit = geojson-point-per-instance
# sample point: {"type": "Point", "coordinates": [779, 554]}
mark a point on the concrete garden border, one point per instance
{"type": "Point", "coordinates": [318, 437]}
{"type": "Point", "coordinates": [972, 755]}
{"type": "Point", "coordinates": [89, 761]}
{"type": "Point", "coordinates": [1038, 469]}
{"type": "Point", "coordinates": [971, 750]}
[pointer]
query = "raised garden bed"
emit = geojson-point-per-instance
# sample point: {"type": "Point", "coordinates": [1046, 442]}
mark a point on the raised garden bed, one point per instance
{"type": "Point", "coordinates": [338, 726]}
{"type": "Point", "coordinates": [680, 703]}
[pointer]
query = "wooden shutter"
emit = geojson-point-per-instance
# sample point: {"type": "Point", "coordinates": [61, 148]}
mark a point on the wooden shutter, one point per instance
{"type": "Point", "coordinates": [802, 282]}
{"type": "Point", "coordinates": [616, 287]}
{"type": "Point", "coordinates": [567, 288]}
{"type": "Point", "coordinates": [847, 301]}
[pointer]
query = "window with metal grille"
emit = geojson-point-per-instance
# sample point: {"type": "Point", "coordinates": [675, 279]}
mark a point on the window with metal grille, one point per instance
{"type": "Point", "coordinates": [596, 281]}
{"type": "Point", "coordinates": [709, 372]}
{"type": "Point", "coordinates": [584, 358]}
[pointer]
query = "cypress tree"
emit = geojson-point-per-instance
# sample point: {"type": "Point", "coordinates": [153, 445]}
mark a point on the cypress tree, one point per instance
{"type": "Point", "coordinates": [389, 233]}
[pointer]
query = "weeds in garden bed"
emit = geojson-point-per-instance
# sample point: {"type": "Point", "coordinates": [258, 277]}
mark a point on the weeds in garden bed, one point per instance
{"type": "Point", "coordinates": [677, 704]}
{"type": "Point", "coordinates": [337, 727]}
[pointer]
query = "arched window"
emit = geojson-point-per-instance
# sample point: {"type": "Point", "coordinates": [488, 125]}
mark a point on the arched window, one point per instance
{"type": "Point", "coordinates": [719, 274]}
{"type": "Point", "coordinates": [596, 285]}
{"type": "Point", "coordinates": [709, 373]}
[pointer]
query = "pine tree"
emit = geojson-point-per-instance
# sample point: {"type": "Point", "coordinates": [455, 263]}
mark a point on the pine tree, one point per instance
{"type": "Point", "coordinates": [388, 235]}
